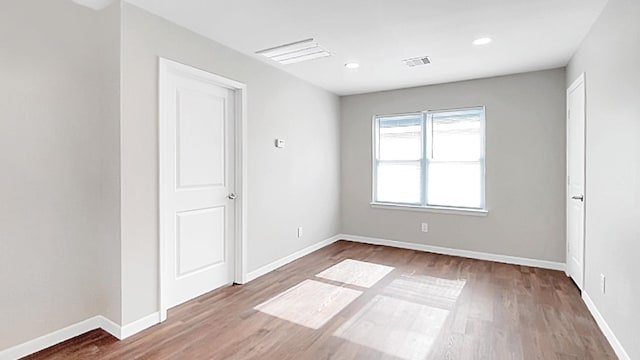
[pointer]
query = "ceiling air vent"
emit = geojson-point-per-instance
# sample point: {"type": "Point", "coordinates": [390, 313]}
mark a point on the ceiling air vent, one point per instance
{"type": "Point", "coordinates": [295, 52]}
{"type": "Point", "coordinates": [422, 60]}
{"type": "Point", "coordinates": [94, 4]}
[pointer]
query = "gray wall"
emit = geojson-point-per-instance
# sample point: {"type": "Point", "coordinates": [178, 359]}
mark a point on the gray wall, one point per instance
{"type": "Point", "coordinates": [609, 56]}
{"type": "Point", "coordinates": [525, 166]}
{"type": "Point", "coordinates": [59, 224]}
{"type": "Point", "coordinates": [67, 233]}
{"type": "Point", "coordinates": [304, 175]}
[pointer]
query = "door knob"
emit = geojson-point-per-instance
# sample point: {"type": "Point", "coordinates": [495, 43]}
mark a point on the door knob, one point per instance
{"type": "Point", "coordinates": [578, 197]}
{"type": "Point", "coordinates": [231, 196]}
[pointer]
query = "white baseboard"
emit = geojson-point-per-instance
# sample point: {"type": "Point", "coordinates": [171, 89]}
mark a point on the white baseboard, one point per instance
{"type": "Point", "coordinates": [51, 339]}
{"type": "Point", "coordinates": [71, 331]}
{"type": "Point", "coordinates": [287, 259]}
{"type": "Point", "coordinates": [457, 252]}
{"type": "Point", "coordinates": [139, 325]}
{"type": "Point", "coordinates": [110, 327]}
{"type": "Point", "coordinates": [606, 330]}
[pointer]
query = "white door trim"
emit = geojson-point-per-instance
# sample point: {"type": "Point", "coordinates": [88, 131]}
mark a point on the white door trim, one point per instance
{"type": "Point", "coordinates": [580, 80]}
{"type": "Point", "coordinates": [240, 241]}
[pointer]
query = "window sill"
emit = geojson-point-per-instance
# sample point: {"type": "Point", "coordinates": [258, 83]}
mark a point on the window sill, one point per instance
{"type": "Point", "coordinates": [431, 209]}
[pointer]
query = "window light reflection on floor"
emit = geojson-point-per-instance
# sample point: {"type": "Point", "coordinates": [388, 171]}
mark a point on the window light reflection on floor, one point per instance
{"type": "Point", "coordinates": [403, 321]}
{"type": "Point", "coordinates": [428, 290]}
{"type": "Point", "coordinates": [406, 320]}
{"type": "Point", "coordinates": [396, 327]}
{"type": "Point", "coordinates": [310, 303]}
{"type": "Point", "coordinates": [358, 273]}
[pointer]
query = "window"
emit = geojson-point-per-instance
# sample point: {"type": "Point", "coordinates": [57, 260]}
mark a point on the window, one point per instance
{"type": "Point", "coordinates": [431, 159]}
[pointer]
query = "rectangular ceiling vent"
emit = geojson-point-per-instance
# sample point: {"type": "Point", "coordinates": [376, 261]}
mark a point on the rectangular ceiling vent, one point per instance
{"type": "Point", "coordinates": [413, 62]}
{"type": "Point", "coordinates": [295, 52]}
{"type": "Point", "coordinates": [94, 4]}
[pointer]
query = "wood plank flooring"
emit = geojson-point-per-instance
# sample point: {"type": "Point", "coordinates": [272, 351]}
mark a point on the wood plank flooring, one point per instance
{"type": "Point", "coordinates": [357, 301]}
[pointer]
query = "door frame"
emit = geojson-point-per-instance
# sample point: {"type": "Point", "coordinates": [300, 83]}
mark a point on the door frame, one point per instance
{"type": "Point", "coordinates": [240, 241]}
{"type": "Point", "coordinates": [580, 80]}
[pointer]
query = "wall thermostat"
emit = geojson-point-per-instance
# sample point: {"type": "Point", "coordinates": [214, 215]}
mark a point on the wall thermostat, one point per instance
{"type": "Point", "coordinates": [279, 143]}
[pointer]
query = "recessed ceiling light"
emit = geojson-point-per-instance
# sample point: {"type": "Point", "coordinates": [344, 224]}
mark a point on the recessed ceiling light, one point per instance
{"type": "Point", "coordinates": [352, 65]}
{"type": "Point", "coordinates": [482, 41]}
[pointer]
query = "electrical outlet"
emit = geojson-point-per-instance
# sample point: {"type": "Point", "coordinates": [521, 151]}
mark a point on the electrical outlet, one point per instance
{"type": "Point", "coordinates": [425, 227]}
{"type": "Point", "coordinates": [603, 283]}
{"type": "Point", "coordinates": [300, 231]}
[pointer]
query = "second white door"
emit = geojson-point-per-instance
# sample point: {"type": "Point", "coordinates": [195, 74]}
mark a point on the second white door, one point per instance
{"type": "Point", "coordinates": [575, 180]}
{"type": "Point", "coordinates": [197, 172]}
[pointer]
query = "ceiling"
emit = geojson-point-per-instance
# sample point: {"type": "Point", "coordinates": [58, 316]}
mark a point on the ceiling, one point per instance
{"type": "Point", "coordinates": [378, 34]}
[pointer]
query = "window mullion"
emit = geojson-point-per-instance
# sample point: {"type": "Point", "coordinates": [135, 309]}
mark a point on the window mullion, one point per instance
{"type": "Point", "coordinates": [375, 158]}
{"type": "Point", "coordinates": [422, 162]}
{"type": "Point", "coordinates": [426, 155]}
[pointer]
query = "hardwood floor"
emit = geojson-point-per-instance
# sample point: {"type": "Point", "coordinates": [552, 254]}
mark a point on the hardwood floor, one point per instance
{"type": "Point", "coordinates": [356, 301]}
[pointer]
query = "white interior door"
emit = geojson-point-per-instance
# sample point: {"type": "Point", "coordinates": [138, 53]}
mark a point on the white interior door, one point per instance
{"type": "Point", "coordinates": [575, 179]}
{"type": "Point", "coordinates": [197, 183]}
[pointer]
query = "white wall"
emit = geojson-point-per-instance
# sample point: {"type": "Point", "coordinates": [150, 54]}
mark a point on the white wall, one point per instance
{"type": "Point", "coordinates": [525, 166]}
{"type": "Point", "coordinates": [610, 56]}
{"type": "Point", "coordinates": [59, 228]}
{"type": "Point", "coordinates": [290, 187]}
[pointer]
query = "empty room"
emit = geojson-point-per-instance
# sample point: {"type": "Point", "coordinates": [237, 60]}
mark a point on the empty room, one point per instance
{"type": "Point", "coordinates": [272, 179]}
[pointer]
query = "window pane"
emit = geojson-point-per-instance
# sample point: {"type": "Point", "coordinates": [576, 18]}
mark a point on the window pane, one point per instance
{"type": "Point", "coordinates": [455, 184]}
{"type": "Point", "coordinates": [399, 183]}
{"type": "Point", "coordinates": [400, 137]}
{"type": "Point", "coordinates": [457, 135]}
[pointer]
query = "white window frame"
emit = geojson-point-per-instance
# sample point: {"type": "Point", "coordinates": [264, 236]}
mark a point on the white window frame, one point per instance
{"type": "Point", "coordinates": [423, 206]}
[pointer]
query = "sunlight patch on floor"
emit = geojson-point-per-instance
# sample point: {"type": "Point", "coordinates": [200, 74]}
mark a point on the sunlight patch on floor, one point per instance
{"type": "Point", "coordinates": [397, 327]}
{"type": "Point", "coordinates": [358, 273]}
{"type": "Point", "coordinates": [310, 303]}
{"type": "Point", "coordinates": [427, 290]}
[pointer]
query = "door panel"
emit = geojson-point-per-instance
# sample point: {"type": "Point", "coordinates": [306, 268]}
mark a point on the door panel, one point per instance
{"type": "Point", "coordinates": [575, 180]}
{"type": "Point", "coordinates": [197, 136]}
{"type": "Point", "coordinates": [201, 142]}
{"type": "Point", "coordinates": [199, 242]}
